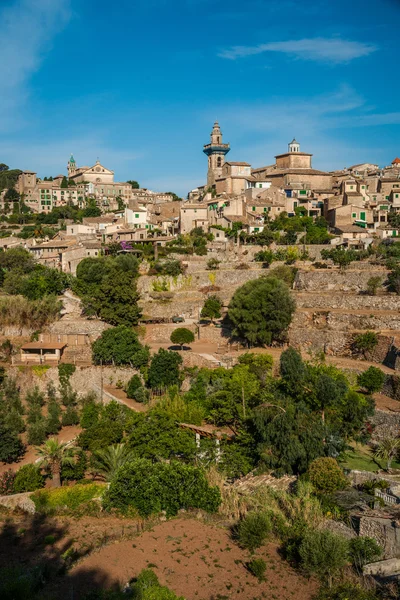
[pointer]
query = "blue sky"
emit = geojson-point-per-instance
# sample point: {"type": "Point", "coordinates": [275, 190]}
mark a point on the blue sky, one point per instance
{"type": "Point", "coordinates": [138, 83]}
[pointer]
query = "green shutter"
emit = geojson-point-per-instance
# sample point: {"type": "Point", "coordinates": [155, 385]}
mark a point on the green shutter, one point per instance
{"type": "Point", "coordinates": [362, 216]}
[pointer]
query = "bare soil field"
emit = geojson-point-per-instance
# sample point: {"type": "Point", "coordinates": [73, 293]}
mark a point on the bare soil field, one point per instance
{"type": "Point", "coordinates": [195, 560]}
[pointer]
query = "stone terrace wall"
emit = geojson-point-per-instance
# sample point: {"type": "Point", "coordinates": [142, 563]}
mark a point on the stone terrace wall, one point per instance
{"type": "Point", "coordinates": [345, 322]}
{"type": "Point", "coordinates": [346, 301]}
{"type": "Point", "coordinates": [337, 281]}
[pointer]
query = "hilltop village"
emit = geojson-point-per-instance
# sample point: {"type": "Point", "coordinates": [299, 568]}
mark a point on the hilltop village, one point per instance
{"type": "Point", "coordinates": [199, 397]}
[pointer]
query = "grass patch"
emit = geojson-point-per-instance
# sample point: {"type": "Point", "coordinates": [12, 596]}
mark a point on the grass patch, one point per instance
{"type": "Point", "coordinates": [360, 458]}
{"type": "Point", "coordinates": [66, 498]}
{"type": "Point", "coordinates": [40, 370]}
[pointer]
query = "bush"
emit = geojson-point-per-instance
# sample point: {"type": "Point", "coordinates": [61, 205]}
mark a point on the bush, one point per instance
{"type": "Point", "coordinates": [133, 385]}
{"type": "Point", "coordinates": [212, 308]}
{"type": "Point", "coordinates": [326, 475]}
{"type": "Point", "coordinates": [28, 479]}
{"type": "Point", "coordinates": [372, 379]}
{"type": "Point", "coordinates": [153, 487]}
{"type": "Point", "coordinates": [76, 470]}
{"type": "Point", "coordinates": [213, 264]}
{"type": "Point", "coordinates": [257, 567]}
{"type": "Point", "coordinates": [346, 591]}
{"type": "Point", "coordinates": [7, 482]}
{"type": "Point", "coordinates": [70, 417]}
{"type": "Point", "coordinates": [37, 432]}
{"type": "Point", "coordinates": [322, 553]}
{"type": "Point", "coordinates": [261, 310]}
{"type": "Point", "coordinates": [253, 530]}
{"type": "Point", "coordinates": [66, 497]}
{"type": "Point", "coordinates": [373, 284]}
{"type": "Point", "coordinates": [364, 550]}
{"type": "Point", "coordinates": [147, 587]}
{"type": "Point", "coordinates": [365, 342]}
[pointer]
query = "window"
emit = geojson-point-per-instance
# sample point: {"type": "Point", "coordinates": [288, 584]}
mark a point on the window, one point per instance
{"type": "Point", "coordinates": [351, 187]}
{"type": "Point", "coordinates": [136, 216]}
{"type": "Point", "coordinates": [362, 216]}
{"type": "Point", "coordinates": [303, 192]}
{"type": "Point", "coordinates": [353, 215]}
{"type": "Point", "coordinates": [386, 197]}
{"type": "Point", "coordinates": [265, 209]}
{"type": "Point", "coordinates": [253, 208]}
{"type": "Point", "coordinates": [396, 195]}
{"type": "Point", "coordinates": [363, 187]}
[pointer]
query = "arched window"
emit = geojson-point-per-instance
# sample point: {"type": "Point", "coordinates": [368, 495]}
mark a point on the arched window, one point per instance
{"type": "Point", "coordinates": [218, 140]}
{"type": "Point", "coordinates": [219, 161]}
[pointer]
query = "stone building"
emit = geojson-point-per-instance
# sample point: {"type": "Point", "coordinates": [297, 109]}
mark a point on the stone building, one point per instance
{"type": "Point", "coordinates": [216, 152]}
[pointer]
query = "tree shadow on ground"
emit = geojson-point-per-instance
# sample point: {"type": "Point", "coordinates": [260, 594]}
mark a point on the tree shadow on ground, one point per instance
{"type": "Point", "coordinates": [36, 555]}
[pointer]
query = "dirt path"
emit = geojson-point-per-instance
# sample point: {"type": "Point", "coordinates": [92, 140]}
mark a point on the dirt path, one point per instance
{"type": "Point", "coordinates": [195, 560]}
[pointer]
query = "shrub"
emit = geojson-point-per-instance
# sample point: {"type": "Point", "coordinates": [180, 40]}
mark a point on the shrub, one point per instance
{"type": "Point", "coordinates": [212, 308]}
{"type": "Point", "coordinates": [373, 284]}
{"type": "Point", "coordinates": [363, 550]}
{"type": "Point", "coordinates": [76, 470]}
{"type": "Point", "coordinates": [100, 435]}
{"type": "Point", "coordinates": [134, 384]}
{"type": "Point", "coordinates": [68, 498]}
{"type": "Point", "coordinates": [257, 567]}
{"type": "Point", "coordinates": [147, 587]}
{"type": "Point", "coordinates": [346, 591]}
{"type": "Point", "coordinates": [37, 432]}
{"type": "Point", "coordinates": [372, 379]}
{"type": "Point", "coordinates": [322, 553]}
{"type": "Point", "coordinates": [7, 482]}
{"type": "Point", "coordinates": [253, 530]}
{"type": "Point", "coordinates": [65, 370]}
{"type": "Point", "coordinates": [365, 342]}
{"type": "Point", "coordinates": [28, 479]}
{"type": "Point", "coordinates": [70, 417]}
{"type": "Point", "coordinates": [213, 264]}
{"type": "Point", "coordinates": [326, 475]}
{"type": "Point", "coordinates": [153, 487]}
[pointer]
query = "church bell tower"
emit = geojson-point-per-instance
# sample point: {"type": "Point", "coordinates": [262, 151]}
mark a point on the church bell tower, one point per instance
{"type": "Point", "coordinates": [71, 166]}
{"type": "Point", "coordinates": [216, 152]}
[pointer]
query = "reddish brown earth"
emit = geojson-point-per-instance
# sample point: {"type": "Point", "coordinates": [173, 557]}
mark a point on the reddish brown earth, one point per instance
{"type": "Point", "coordinates": [197, 561]}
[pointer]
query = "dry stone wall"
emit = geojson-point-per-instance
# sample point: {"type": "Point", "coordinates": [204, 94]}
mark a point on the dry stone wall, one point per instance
{"type": "Point", "coordinates": [346, 301]}
{"type": "Point", "coordinates": [336, 281]}
{"type": "Point", "coordinates": [344, 321]}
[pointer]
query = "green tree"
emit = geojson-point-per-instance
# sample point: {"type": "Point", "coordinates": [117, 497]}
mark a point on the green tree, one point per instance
{"type": "Point", "coordinates": [164, 369]}
{"type": "Point", "coordinates": [134, 184]}
{"type": "Point", "coordinates": [117, 297]}
{"type": "Point", "coordinates": [182, 336]}
{"type": "Point", "coordinates": [293, 370]}
{"type": "Point", "coordinates": [64, 182]}
{"type": "Point", "coordinates": [261, 310]}
{"type": "Point", "coordinates": [106, 462]}
{"type": "Point", "coordinates": [326, 475]}
{"type": "Point", "coordinates": [11, 195]}
{"type": "Point", "coordinates": [53, 455]}
{"type": "Point", "coordinates": [372, 379]}
{"type": "Point", "coordinates": [11, 446]}
{"type": "Point", "coordinates": [212, 308]}
{"type": "Point", "coordinates": [117, 345]}
{"type": "Point", "coordinates": [373, 284]}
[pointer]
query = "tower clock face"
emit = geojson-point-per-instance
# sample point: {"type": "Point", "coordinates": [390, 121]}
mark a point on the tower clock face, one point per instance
{"type": "Point", "coordinates": [98, 169]}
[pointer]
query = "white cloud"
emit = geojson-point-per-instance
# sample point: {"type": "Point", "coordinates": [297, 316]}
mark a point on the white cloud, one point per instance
{"type": "Point", "coordinates": [334, 50]}
{"type": "Point", "coordinates": [27, 30]}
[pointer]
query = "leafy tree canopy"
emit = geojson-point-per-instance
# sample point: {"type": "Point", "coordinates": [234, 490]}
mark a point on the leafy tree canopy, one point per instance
{"type": "Point", "coordinates": [261, 310]}
{"type": "Point", "coordinates": [117, 345]}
